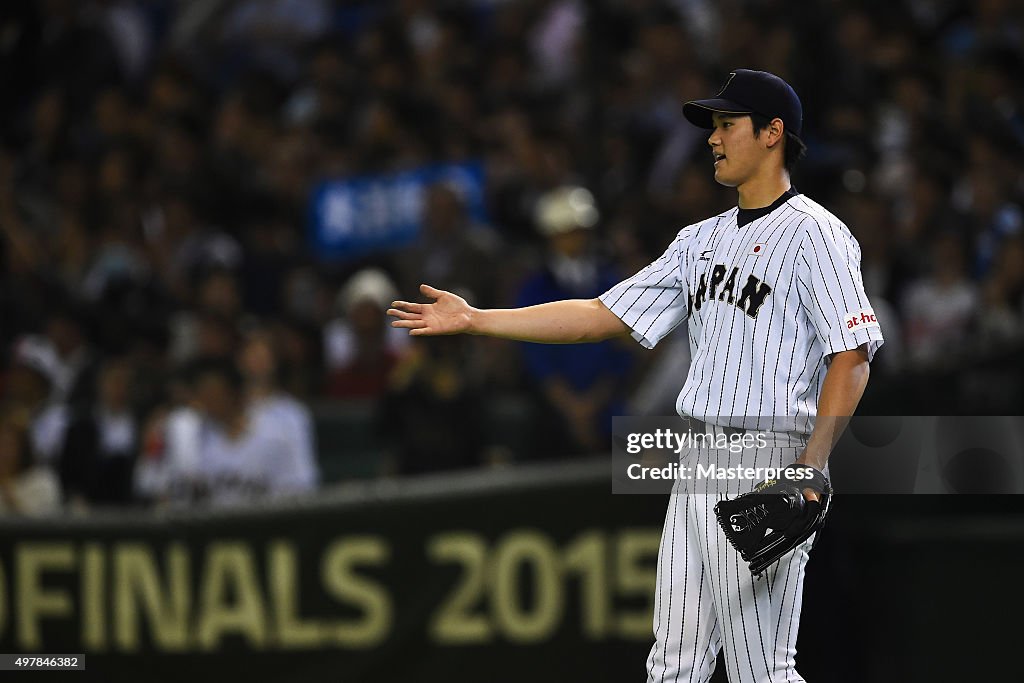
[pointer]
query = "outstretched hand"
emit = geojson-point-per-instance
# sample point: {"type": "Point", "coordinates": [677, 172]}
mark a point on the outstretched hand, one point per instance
{"type": "Point", "coordinates": [448, 314]}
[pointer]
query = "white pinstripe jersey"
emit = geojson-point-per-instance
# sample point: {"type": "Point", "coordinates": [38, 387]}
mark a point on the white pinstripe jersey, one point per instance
{"type": "Point", "coordinates": [766, 304]}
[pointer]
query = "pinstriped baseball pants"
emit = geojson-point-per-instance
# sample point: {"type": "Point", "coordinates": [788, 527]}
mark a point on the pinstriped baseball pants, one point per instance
{"type": "Point", "coordinates": [707, 599]}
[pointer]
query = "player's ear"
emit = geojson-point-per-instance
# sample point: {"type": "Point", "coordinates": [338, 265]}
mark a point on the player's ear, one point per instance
{"type": "Point", "coordinates": [776, 130]}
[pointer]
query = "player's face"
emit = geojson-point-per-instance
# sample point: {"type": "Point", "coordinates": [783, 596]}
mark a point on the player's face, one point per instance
{"type": "Point", "coordinates": [737, 153]}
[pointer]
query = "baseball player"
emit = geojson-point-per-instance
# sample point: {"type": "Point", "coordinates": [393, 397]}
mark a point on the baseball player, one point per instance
{"type": "Point", "coordinates": [781, 337]}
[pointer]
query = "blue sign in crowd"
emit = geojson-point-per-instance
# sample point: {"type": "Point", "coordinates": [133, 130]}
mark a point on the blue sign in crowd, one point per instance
{"type": "Point", "coordinates": [352, 216]}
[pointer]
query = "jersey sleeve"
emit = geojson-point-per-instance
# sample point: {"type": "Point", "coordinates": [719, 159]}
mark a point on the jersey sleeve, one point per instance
{"type": "Point", "coordinates": [832, 289]}
{"type": "Point", "coordinates": [654, 301]}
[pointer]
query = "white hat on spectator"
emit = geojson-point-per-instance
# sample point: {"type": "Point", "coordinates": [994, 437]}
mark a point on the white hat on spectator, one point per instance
{"type": "Point", "coordinates": [566, 209]}
{"type": "Point", "coordinates": [369, 284]}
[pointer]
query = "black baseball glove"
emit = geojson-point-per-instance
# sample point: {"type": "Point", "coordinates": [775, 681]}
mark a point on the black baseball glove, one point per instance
{"type": "Point", "coordinates": [774, 518]}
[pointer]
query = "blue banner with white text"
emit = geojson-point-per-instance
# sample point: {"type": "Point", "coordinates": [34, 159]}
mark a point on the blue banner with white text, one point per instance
{"type": "Point", "coordinates": [350, 217]}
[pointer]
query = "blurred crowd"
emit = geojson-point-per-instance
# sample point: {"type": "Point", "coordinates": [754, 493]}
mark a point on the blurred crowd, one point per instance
{"type": "Point", "coordinates": [165, 324]}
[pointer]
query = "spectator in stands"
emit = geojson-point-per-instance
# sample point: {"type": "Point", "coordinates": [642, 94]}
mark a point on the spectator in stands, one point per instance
{"type": "Point", "coordinates": [299, 344]}
{"type": "Point", "coordinates": [29, 385]}
{"type": "Point", "coordinates": [98, 458]}
{"type": "Point", "coordinates": [258, 363]}
{"type": "Point", "coordinates": [167, 470]}
{"type": "Point", "coordinates": [26, 488]}
{"type": "Point", "coordinates": [208, 329]}
{"type": "Point", "coordinates": [432, 415]}
{"type": "Point", "coordinates": [243, 454]}
{"type": "Point", "coordinates": [178, 242]}
{"type": "Point", "coordinates": [940, 308]}
{"type": "Point", "coordinates": [583, 385]}
{"type": "Point", "coordinates": [1000, 325]}
{"type": "Point", "coordinates": [451, 250]}
{"type": "Point", "coordinates": [268, 33]}
{"type": "Point", "coordinates": [362, 348]}
{"type": "Point", "coordinates": [62, 352]}
{"type": "Point", "coordinates": [987, 215]}
{"type": "Point", "coordinates": [321, 95]}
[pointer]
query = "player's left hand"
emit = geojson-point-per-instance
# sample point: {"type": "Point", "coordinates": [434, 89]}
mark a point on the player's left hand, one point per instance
{"type": "Point", "coordinates": [809, 494]}
{"type": "Point", "coordinates": [768, 522]}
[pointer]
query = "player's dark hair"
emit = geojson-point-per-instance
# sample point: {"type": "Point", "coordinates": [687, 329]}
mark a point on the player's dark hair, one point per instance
{"type": "Point", "coordinates": [795, 147]}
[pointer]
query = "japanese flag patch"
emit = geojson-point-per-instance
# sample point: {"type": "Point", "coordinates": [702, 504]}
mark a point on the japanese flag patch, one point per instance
{"type": "Point", "coordinates": [757, 249]}
{"type": "Point", "coordinates": [861, 319]}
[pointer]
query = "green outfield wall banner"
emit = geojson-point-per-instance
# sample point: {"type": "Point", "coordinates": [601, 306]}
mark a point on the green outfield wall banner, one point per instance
{"type": "Point", "coordinates": [537, 575]}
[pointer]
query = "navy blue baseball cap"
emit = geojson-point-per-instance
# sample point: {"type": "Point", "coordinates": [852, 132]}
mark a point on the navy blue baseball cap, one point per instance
{"type": "Point", "coordinates": [750, 92]}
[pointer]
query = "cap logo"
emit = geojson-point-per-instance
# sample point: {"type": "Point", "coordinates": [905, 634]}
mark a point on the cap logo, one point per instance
{"type": "Point", "coordinates": [732, 75]}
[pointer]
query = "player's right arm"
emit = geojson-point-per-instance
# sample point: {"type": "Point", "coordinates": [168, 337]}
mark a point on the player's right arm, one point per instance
{"type": "Point", "coordinates": [559, 322]}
